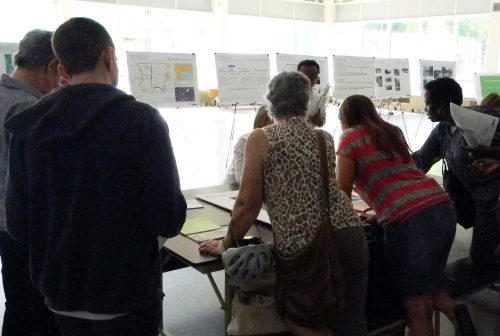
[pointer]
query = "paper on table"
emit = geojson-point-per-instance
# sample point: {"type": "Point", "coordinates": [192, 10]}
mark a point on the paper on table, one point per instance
{"type": "Point", "coordinates": [202, 236]}
{"type": "Point", "coordinates": [478, 128]}
{"type": "Point", "coordinates": [193, 204]}
{"type": "Point", "coordinates": [198, 224]}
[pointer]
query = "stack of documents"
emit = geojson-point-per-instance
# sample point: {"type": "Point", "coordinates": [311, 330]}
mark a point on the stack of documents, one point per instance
{"type": "Point", "coordinates": [200, 229]}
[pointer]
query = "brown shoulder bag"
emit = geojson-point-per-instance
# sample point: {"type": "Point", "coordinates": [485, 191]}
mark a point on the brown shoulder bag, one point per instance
{"type": "Point", "coordinates": [310, 285]}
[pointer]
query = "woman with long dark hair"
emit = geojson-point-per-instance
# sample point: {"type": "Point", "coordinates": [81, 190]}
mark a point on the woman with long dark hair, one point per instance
{"type": "Point", "coordinates": [416, 213]}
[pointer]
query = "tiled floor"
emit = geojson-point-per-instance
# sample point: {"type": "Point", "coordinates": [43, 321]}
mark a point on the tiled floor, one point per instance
{"type": "Point", "coordinates": [201, 139]}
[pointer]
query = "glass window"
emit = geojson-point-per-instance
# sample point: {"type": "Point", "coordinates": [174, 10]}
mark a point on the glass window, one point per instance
{"type": "Point", "coordinates": [376, 40]}
{"type": "Point", "coordinates": [42, 14]}
{"type": "Point", "coordinates": [471, 51]}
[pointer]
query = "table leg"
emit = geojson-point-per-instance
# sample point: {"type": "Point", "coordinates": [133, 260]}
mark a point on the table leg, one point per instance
{"type": "Point", "coordinates": [216, 290]}
{"type": "Point", "coordinates": [228, 295]}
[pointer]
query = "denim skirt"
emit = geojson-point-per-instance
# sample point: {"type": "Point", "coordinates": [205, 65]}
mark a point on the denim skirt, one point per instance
{"type": "Point", "coordinates": [416, 251]}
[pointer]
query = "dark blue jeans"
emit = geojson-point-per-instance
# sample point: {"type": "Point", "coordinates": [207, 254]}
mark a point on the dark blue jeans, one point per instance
{"type": "Point", "coordinates": [25, 310]}
{"type": "Point", "coordinates": [416, 251]}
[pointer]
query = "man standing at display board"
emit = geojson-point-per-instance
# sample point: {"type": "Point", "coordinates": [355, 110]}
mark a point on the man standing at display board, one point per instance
{"type": "Point", "coordinates": [92, 185]}
{"type": "Point", "coordinates": [316, 114]}
{"type": "Point", "coordinates": [35, 75]}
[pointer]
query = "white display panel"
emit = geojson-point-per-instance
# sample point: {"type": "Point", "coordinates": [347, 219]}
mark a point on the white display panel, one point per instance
{"type": "Point", "coordinates": [353, 75]}
{"type": "Point", "coordinates": [241, 78]}
{"type": "Point", "coordinates": [430, 70]}
{"type": "Point", "coordinates": [7, 52]}
{"type": "Point", "coordinates": [288, 62]}
{"type": "Point", "coordinates": [163, 79]}
{"type": "Point", "coordinates": [392, 78]}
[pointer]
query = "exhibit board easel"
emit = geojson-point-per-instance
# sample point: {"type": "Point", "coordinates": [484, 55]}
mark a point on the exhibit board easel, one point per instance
{"type": "Point", "coordinates": [163, 79]}
{"type": "Point", "coordinates": [486, 83]}
{"type": "Point", "coordinates": [289, 62]}
{"type": "Point", "coordinates": [353, 75]}
{"type": "Point", "coordinates": [7, 52]}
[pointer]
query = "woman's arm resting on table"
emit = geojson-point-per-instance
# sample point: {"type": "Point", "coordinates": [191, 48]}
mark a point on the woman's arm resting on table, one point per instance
{"type": "Point", "coordinates": [346, 170]}
{"type": "Point", "coordinates": [249, 200]}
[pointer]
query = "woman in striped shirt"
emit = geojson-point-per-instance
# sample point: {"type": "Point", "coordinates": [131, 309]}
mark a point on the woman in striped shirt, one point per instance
{"type": "Point", "coordinates": [416, 213]}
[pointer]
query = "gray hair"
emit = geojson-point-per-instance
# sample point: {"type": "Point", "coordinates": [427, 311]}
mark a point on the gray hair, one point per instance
{"type": "Point", "coordinates": [288, 94]}
{"type": "Point", "coordinates": [35, 50]}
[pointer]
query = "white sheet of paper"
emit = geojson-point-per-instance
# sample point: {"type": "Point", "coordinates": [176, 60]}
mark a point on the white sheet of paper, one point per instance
{"type": "Point", "coordinates": [478, 128]}
{"type": "Point", "coordinates": [226, 201]}
{"type": "Point", "coordinates": [193, 204]}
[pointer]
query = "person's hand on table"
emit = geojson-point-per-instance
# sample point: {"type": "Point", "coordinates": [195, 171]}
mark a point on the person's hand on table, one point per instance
{"type": "Point", "coordinates": [210, 247]}
{"type": "Point", "coordinates": [487, 166]}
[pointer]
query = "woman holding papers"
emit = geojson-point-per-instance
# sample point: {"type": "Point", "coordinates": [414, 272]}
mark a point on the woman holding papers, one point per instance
{"type": "Point", "coordinates": [416, 213]}
{"type": "Point", "coordinates": [446, 142]}
{"type": "Point", "coordinates": [283, 168]}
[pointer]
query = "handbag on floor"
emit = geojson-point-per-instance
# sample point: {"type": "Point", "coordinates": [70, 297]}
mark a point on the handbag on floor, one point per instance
{"type": "Point", "coordinates": [310, 285]}
{"type": "Point", "coordinates": [250, 271]}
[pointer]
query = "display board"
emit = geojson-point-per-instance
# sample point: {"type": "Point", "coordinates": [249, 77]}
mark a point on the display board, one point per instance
{"type": "Point", "coordinates": [353, 75]}
{"type": "Point", "coordinates": [392, 78]}
{"type": "Point", "coordinates": [289, 62]}
{"type": "Point", "coordinates": [7, 52]}
{"type": "Point", "coordinates": [485, 84]}
{"type": "Point", "coordinates": [430, 70]}
{"type": "Point", "coordinates": [242, 78]}
{"type": "Point", "coordinates": [163, 79]}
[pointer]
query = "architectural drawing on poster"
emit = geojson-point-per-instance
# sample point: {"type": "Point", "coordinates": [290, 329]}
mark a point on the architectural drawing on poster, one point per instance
{"type": "Point", "coordinates": [353, 75]}
{"type": "Point", "coordinates": [431, 70]}
{"type": "Point", "coordinates": [163, 79]}
{"type": "Point", "coordinates": [241, 78]}
{"type": "Point", "coordinates": [392, 78]}
{"type": "Point", "coordinates": [7, 52]}
{"type": "Point", "coordinates": [289, 62]}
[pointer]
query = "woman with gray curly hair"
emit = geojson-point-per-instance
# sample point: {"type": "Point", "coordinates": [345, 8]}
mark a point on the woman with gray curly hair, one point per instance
{"type": "Point", "coordinates": [283, 169]}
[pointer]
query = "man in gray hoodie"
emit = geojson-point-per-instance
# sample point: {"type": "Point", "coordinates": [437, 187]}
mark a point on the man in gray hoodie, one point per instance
{"type": "Point", "coordinates": [35, 75]}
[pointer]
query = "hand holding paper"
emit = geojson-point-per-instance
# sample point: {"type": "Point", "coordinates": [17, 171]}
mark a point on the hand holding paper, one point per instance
{"type": "Point", "coordinates": [478, 128]}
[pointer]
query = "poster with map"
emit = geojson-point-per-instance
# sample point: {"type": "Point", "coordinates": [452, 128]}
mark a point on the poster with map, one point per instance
{"type": "Point", "coordinates": [163, 79]}
{"type": "Point", "coordinates": [7, 52]}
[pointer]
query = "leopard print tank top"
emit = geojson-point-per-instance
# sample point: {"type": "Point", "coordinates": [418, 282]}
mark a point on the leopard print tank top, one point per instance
{"type": "Point", "coordinates": [293, 185]}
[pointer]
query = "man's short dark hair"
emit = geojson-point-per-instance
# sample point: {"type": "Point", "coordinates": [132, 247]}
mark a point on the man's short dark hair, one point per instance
{"type": "Point", "coordinates": [308, 63]}
{"type": "Point", "coordinates": [78, 43]}
{"type": "Point", "coordinates": [35, 50]}
{"type": "Point", "coordinates": [443, 91]}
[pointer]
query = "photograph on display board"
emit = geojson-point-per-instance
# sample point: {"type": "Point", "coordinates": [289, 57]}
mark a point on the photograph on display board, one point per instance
{"type": "Point", "coordinates": [428, 71]}
{"type": "Point", "coordinates": [184, 94]}
{"type": "Point", "coordinates": [397, 84]}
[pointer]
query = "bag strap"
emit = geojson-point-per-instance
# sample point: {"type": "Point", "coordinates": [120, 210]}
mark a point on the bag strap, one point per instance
{"type": "Point", "coordinates": [323, 162]}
